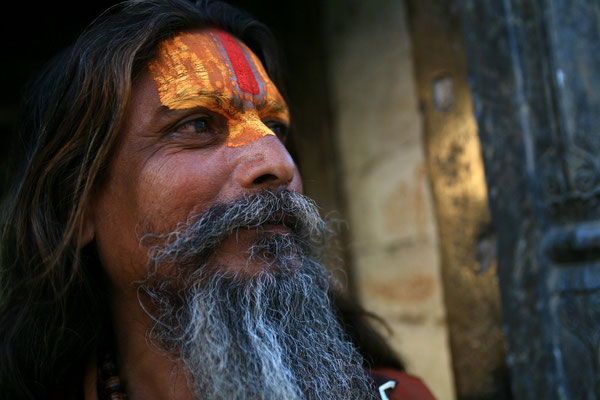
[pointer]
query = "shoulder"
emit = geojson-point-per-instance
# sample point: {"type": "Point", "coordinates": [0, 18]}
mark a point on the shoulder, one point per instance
{"type": "Point", "coordinates": [397, 385]}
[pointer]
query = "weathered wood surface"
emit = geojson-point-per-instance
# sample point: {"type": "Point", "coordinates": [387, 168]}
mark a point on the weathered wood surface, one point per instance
{"type": "Point", "coordinates": [534, 68]}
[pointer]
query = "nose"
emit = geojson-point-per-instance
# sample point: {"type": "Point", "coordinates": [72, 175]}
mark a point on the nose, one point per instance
{"type": "Point", "coordinates": [266, 164]}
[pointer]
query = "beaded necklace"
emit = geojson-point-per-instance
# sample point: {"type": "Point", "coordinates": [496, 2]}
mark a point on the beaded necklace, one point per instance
{"type": "Point", "coordinates": [108, 385]}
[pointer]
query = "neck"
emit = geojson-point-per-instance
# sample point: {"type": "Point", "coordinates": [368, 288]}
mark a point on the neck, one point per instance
{"type": "Point", "coordinates": [145, 371]}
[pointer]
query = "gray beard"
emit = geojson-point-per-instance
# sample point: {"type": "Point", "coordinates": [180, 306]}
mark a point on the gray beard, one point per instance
{"type": "Point", "coordinates": [267, 334]}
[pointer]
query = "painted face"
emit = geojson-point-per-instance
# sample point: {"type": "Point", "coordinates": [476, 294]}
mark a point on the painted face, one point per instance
{"type": "Point", "coordinates": [201, 128]}
{"type": "Point", "coordinates": [191, 68]}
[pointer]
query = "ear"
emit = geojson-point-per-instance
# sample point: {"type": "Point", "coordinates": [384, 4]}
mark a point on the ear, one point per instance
{"type": "Point", "coordinates": [88, 229]}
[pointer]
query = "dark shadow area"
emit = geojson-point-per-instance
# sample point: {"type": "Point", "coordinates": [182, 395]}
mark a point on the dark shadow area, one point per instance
{"type": "Point", "coordinates": [35, 32]}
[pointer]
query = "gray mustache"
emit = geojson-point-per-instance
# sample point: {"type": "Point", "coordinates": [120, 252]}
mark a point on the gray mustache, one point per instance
{"type": "Point", "coordinates": [196, 239]}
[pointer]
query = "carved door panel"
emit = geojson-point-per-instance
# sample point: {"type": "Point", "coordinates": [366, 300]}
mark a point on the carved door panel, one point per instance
{"type": "Point", "coordinates": [535, 75]}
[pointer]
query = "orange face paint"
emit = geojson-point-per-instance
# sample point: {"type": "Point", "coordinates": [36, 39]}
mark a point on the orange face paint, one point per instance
{"type": "Point", "coordinates": [214, 70]}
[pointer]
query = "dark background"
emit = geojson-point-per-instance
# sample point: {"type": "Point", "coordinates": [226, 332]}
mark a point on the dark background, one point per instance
{"type": "Point", "coordinates": [33, 33]}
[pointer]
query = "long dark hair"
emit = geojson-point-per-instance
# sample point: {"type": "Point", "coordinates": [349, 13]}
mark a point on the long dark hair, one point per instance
{"type": "Point", "coordinates": [53, 300]}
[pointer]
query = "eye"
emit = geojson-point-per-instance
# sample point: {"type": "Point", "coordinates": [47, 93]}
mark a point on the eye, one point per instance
{"type": "Point", "coordinates": [279, 128]}
{"type": "Point", "coordinates": [195, 126]}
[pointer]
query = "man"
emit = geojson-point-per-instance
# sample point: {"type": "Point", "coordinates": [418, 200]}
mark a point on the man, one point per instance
{"type": "Point", "coordinates": [158, 245]}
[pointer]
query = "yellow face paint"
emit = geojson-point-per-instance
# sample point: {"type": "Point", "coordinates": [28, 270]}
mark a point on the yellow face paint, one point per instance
{"type": "Point", "coordinates": [212, 69]}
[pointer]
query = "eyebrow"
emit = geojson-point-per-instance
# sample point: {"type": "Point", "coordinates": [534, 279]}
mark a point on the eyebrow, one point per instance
{"type": "Point", "coordinates": [211, 98]}
{"type": "Point", "coordinates": [275, 107]}
{"type": "Point", "coordinates": [233, 105]}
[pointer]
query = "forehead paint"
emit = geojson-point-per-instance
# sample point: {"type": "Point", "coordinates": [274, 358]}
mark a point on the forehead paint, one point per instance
{"type": "Point", "coordinates": [243, 73]}
{"type": "Point", "coordinates": [192, 69]}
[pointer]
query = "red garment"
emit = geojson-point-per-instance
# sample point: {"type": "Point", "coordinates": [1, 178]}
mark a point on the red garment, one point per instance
{"type": "Point", "coordinates": [407, 386]}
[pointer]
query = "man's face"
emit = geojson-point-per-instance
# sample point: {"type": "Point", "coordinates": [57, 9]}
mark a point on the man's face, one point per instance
{"type": "Point", "coordinates": [201, 129]}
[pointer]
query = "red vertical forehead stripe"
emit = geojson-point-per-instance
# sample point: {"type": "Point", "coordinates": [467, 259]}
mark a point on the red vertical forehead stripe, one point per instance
{"type": "Point", "coordinates": [243, 72]}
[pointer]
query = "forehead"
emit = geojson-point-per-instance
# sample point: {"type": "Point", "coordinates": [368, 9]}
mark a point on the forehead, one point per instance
{"type": "Point", "coordinates": [209, 61]}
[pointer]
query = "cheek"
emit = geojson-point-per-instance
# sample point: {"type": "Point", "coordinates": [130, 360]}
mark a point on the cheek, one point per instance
{"type": "Point", "coordinates": [153, 198]}
{"type": "Point", "coordinates": [171, 189]}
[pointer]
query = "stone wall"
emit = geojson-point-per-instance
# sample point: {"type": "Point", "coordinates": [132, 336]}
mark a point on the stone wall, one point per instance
{"type": "Point", "coordinates": [378, 132]}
